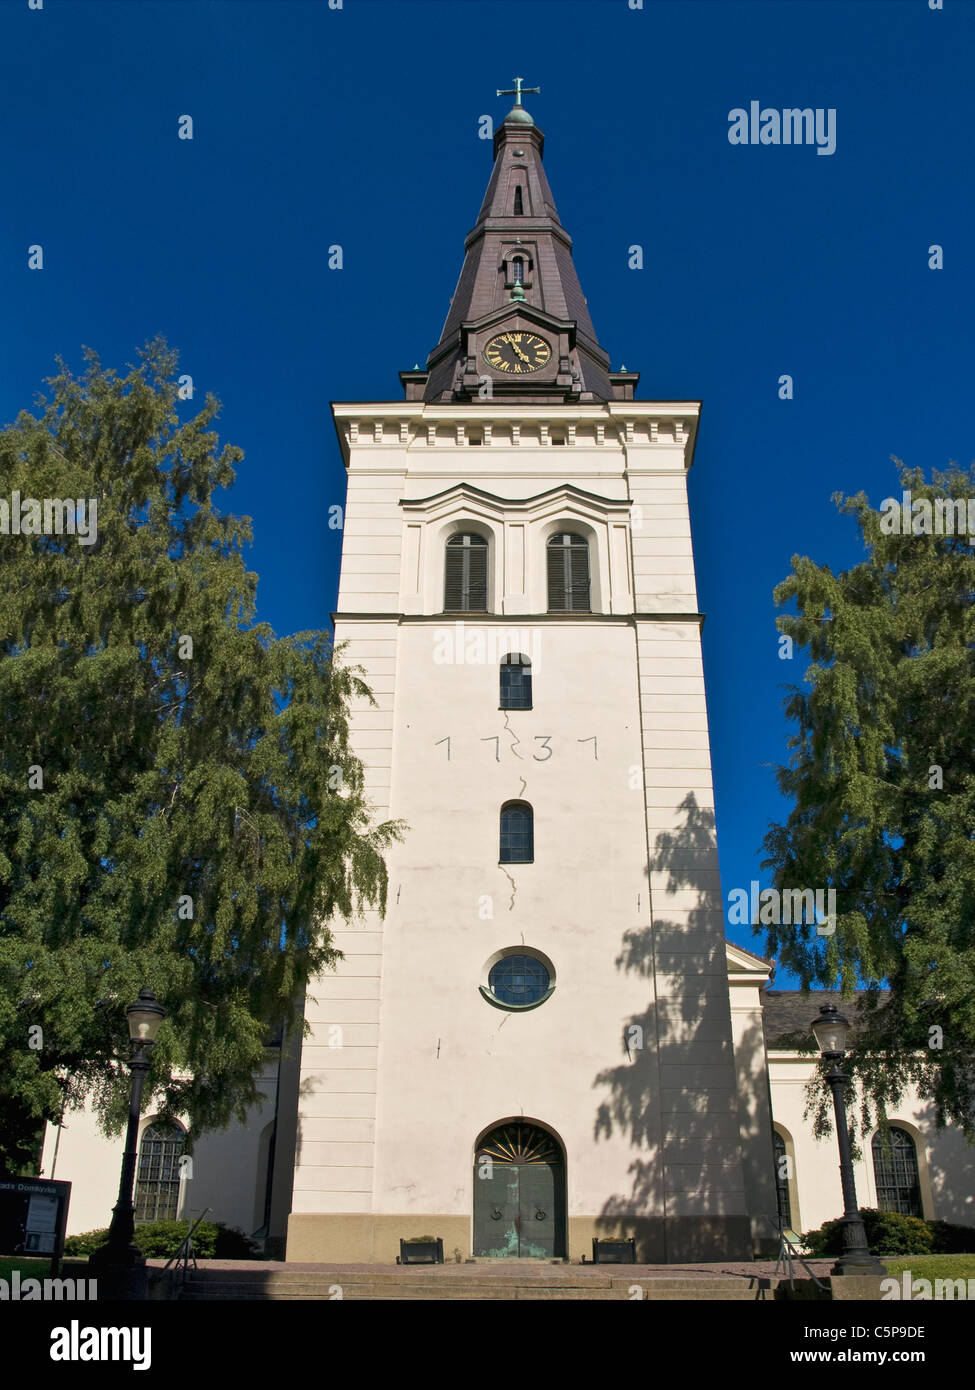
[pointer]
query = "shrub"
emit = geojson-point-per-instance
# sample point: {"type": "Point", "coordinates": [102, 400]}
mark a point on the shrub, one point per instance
{"type": "Point", "coordinates": [85, 1244]}
{"type": "Point", "coordinates": [952, 1240]}
{"type": "Point", "coordinates": [889, 1233]}
{"type": "Point", "coordinates": [160, 1239]}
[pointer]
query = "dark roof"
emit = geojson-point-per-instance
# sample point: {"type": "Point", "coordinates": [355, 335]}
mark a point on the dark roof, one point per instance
{"type": "Point", "coordinates": [552, 286]}
{"type": "Point", "coordinates": [788, 1013]}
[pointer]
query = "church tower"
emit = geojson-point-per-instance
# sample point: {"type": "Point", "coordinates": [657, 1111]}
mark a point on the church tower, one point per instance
{"type": "Point", "coordinates": [533, 1047]}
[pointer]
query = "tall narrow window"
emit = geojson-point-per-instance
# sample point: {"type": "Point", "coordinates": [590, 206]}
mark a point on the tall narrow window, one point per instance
{"type": "Point", "coordinates": [517, 833]}
{"type": "Point", "coordinates": [782, 1181]}
{"type": "Point", "coordinates": [519, 207]}
{"type": "Point", "coordinates": [895, 1173]}
{"type": "Point", "coordinates": [568, 574]}
{"type": "Point", "coordinates": [465, 574]}
{"type": "Point", "coordinates": [518, 271]}
{"type": "Point", "coordinates": [157, 1178]}
{"type": "Point", "coordinates": [516, 682]}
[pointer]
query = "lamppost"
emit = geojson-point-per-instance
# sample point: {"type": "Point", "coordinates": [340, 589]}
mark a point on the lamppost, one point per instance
{"type": "Point", "coordinates": [119, 1264]}
{"type": "Point", "coordinates": [831, 1030]}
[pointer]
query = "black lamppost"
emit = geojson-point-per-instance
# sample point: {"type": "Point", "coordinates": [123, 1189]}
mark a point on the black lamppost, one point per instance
{"type": "Point", "coordinates": [831, 1030]}
{"type": "Point", "coordinates": [119, 1265]}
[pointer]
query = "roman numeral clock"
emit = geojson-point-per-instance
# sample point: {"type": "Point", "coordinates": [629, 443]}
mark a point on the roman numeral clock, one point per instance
{"type": "Point", "coordinates": [517, 352]}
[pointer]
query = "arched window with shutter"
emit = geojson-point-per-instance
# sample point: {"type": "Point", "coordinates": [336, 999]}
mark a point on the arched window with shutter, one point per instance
{"type": "Point", "coordinates": [516, 681]}
{"type": "Point", "coordinates": [518, 271]}
{"type": "Point", "coordinates": [157, 1176]}
{"type": "Point", "coordinates": [465, 574]}
{"type": "Point", "coordinates": [568, 573]}
{"type": "Point", "coordinates": [896, 1175]}
{"type": "Point", "coordinates": [517, 833]}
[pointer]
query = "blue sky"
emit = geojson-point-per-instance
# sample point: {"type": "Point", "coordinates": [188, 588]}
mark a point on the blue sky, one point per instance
{"type": "Point", "coordinates": [358, 126]}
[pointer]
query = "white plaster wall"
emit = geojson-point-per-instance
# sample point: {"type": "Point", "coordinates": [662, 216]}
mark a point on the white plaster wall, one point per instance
{"type": "Point", "coordinates": [946, 1164]}
{"type": "Point", "coordinates": [224, 1172]}
{"type": "Point", "coordinates": [421, 1061]}
{"type": "Point", "coordinates": [451, 1064]}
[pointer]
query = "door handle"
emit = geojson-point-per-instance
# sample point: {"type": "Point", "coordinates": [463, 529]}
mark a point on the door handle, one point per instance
{"type": "Point", "coordinates": [539, 1215]}
{"type": "Point", "coordinates": [496, 1214]}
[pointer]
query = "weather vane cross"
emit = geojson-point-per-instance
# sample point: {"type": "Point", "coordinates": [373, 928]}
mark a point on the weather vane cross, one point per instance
{"type": "Point", "coordinates": [517, 90]}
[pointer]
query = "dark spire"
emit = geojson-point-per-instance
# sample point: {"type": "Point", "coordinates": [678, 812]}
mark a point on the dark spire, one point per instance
{"type": "Point", "coordinates": [518, 276]}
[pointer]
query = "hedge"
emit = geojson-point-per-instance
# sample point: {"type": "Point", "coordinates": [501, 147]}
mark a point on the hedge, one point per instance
{"type": "Point", "coordinates": [890, 1233]}
{"type": "Point", "coordinates": [160, 1239]}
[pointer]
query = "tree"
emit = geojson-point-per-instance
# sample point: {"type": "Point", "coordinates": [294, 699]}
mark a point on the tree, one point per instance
{"type": "Point", "coordinates": [179, 804]}
{"type": "Point", "coordinates": [882, 777]}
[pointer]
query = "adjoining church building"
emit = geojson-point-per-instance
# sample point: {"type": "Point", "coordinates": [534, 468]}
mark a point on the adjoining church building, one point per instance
{"type": "Point", "coordinates": [546, 1038]}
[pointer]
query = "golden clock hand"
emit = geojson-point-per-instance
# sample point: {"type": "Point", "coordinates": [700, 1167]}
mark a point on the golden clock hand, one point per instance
{"type": "Point", "coordinates": [524, 357]}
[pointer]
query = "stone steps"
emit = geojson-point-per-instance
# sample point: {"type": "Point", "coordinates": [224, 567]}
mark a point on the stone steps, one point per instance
{"type": "Point", "coordinates": [422, 1284]}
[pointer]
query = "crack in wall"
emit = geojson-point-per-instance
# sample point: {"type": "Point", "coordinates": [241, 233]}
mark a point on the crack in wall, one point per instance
{"type": "Point", "coordinates": [514, 888]}
{"type": "Point", "coordinates": [510, 730]}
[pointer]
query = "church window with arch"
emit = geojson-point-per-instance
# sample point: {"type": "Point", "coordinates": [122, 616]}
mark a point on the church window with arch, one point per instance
{"type": "Point", "coordinates": [157, 1175]}
{"type": "Point", "coordinates": [516, 681]}
{"type": "Point", "coordinates": [465, 574]}
{"type": "Point", "coordinates": [896, 1174]}
{"type": "Point", "coordinates": [783, 1199]}
{"type": "Point", "coordinates": [517, 833]}
{"type": "Point", "coordinates": [568, 573]}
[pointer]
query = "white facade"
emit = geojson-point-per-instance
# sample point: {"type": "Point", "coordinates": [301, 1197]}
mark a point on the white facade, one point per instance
{"type": "Point", "coordinates": [613, 757]}
{"type": "Point", "coordinates": [229, 1170]}
{"type": "Point", "coordinates": [945, 1160]}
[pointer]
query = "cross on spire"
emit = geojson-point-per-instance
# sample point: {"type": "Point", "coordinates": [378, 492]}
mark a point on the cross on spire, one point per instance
{"type": "Point", "coordinates": [516, 90]}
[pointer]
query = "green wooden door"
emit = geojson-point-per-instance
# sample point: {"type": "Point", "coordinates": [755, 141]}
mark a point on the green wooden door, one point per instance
{"type": "Point", "coordinates": [536, 1210]}
{"type": "Point", "coordinates": [496, 1209]}
{"type": "Point", "coordinates": [519, 1194]}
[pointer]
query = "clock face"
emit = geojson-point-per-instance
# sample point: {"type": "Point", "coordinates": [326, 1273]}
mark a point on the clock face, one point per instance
{"type": "Point", "coordinates": [517, 352]}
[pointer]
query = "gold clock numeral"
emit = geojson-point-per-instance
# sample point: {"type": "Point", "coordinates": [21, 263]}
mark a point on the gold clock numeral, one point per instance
{"type": "Point", "coordinates": [517, 352]}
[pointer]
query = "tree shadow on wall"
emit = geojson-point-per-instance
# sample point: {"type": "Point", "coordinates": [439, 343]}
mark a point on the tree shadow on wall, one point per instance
{"type": "Point", "coordinates": [666, 1093]}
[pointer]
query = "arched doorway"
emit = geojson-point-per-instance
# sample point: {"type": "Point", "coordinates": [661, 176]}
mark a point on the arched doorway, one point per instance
{"type": "Point", "coordinates": [519, 1193]}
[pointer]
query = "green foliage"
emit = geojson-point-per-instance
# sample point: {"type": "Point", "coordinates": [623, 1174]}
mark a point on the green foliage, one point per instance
{"type": "Point", "coordinates": [934, 1267]}
{"type": "Point", "coordinates": [166, 776]}
{"type": "Point", "coordinates": [882, 781]}
{"type": "Point", "coordinates": [888, 1233]}
{"type": "Point", "coordinates": [950, 1239]}
{"type": "Point", "coordinates": [160, 1239]}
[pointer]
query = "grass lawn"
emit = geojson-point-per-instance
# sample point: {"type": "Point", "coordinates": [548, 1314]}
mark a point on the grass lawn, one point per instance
{"type": "Point", "coordinates": [931, 1266]}
{"type": "Point", "coordinates": [31, 1268]}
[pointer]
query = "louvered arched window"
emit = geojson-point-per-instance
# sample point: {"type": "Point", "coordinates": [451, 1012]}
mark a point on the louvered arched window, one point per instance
{"type": "Point", "coordinates": [568, 573]}
{"type": "Point", "coordinates": [895, 1173]}
{"type": "Point", "coordinates": [517, 833]}
{"type": "Point", "coordinates": [519, 205]}
{"type": "Point", "coordinates": [157, 1177]}
{"type": "Point", "coordinates": [516, 681]}
{"type": "Point", "coordinates": [465, 574]}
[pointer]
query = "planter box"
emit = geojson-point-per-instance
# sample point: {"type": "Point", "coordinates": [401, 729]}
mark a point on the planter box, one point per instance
{"type": "Point", "coordinates": [613, 1252]}
{"type": "Point", "coordinates": [420, 1252]}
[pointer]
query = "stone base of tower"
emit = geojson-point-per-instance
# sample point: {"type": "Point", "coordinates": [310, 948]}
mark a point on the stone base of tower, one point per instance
{"type": "Point", "coordinates": [369, 1238]}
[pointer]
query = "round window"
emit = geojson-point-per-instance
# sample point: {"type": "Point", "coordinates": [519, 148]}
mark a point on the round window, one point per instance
{"type": "Point", "coordinates": [519, 981]}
